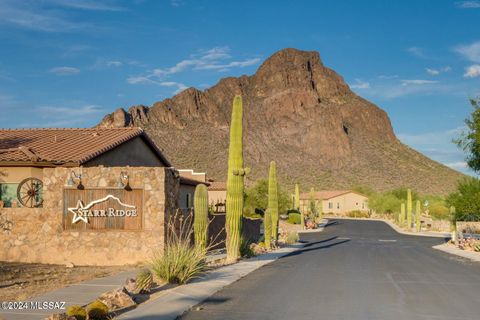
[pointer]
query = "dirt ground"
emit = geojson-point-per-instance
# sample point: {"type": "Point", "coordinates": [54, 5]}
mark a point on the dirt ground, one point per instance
{"type": "Point", "coordinates": [20, 281]}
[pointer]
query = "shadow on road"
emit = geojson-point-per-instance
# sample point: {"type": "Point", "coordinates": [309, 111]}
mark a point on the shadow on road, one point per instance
{"type": "Point", "coordinates": [307, 249]}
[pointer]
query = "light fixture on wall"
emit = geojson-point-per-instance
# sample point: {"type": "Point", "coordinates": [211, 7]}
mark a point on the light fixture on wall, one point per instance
{"type": "Point", "coordinates": [75, 180]}
{"type": "Point", "coordinates": [124, 181]}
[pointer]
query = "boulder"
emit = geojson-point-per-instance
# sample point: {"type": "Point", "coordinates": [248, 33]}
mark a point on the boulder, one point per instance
{"type": "Point", "coordinates": [117, 299]}
{"type": "Point", "coordinates": [130, 286]}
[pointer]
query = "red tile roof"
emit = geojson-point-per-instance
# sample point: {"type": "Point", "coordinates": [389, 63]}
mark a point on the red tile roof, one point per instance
{"type": "Point", "coordinates": [217, 186]}
{"type": "Point", "coordinates": [65, 146]}
{"type": "Point", "coordinates": [325, 195]}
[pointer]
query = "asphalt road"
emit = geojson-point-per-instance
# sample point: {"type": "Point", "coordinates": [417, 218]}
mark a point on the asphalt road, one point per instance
{"type": "Point", "coordinates": [354, 270]}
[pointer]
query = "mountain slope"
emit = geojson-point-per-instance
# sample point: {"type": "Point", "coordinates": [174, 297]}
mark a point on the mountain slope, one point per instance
{"type": "Point", "coordinates": [300, 114]}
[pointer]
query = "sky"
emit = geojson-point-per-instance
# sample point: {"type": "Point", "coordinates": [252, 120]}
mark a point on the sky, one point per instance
{"type": "Point", "coordinates": [68, 63]}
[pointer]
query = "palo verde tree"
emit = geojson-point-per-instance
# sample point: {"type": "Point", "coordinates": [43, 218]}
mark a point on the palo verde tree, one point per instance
{"type": "Point", "coordinates": [235, 183]}
{"type": "Point", "coordinates": [469, 140]}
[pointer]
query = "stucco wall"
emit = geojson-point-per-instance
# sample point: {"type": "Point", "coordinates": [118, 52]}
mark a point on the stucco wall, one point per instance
{"type": "Point", "coordinates": [341, 204]}
{"type": "Point", "coordinates": [217, 196]}
{"type": "Point", "coordinates": [17, 174]}
{"type": "Point", "coordinates": [132, 153]}
{"type": "Point", "coordinates": [37, 234]}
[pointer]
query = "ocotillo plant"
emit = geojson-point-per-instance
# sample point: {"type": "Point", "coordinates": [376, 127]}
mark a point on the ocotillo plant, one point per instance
{"type": "Point", "coordinates": [235, 182]}
{"type": "Point", "coordinates": [418, 215]}
{"type": "Point", "coordinates": [273, 199]}
{"type": "Point", "coordinates": [200, 218]}
{"type": "Point", "coordinates": [402, 214]}
{"type": "Point", "coordinates": [409, 208]}
{"type": "Point", "coordinates": [453, 224]}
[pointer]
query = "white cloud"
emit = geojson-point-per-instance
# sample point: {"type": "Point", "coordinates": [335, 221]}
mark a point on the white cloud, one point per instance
{"type": "Point", "coordinates": [472, 71]}
{"type": "Point", "coordinates": [64, 112]}
{"type": "Point", "coordinates": [433, 72]}
{"type": "Point", "coordinates": [457, 165]}
{"type": "Point", "coordinates": [114, 63]}
{"type": "Point", "coordinates": [218, 59]}
{"type": "Point", "coordinates": [417, 82]}
{"type": "Point", "coordinates": [416, 51]}
{"type": "Point", "coordinates": [470, 52]}
{"type": "Point", "coordinates": [468, 4]}
{"type": "Point", "coordinates": [87, 5]}
{"type": "Point", "coordinates": [359, 84]}
{"type": "Point", "coordinates": [64, 71]}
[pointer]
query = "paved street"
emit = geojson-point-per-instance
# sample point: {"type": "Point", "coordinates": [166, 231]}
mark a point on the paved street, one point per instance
{"type": "Point", "coordinates": [354, 270]}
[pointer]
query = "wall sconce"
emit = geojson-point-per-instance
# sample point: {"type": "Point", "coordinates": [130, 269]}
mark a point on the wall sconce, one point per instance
{"type": "Point", "coordinates": [124, 181]}
{"type": "Point", "coordinates": [75, 180]}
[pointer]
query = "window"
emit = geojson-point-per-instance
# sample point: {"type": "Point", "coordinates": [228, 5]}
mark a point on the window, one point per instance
{"type": "Point", "coordinates": [188, 200]}
{"type": "Point", "coordinates": [338, 205]}
{"type": "Point", "coordinates": [363, 205]}
{"type": "Point", "coordinates": [8, 193]}
{"type": "Point", "coordinates": [356, 204]}
{"type": "Point", "coordinates": [330, 205]}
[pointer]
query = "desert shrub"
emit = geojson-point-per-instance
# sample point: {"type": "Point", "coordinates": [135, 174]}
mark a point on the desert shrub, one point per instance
{"type": "Point", "coordinates": [384, 203]}
{"type": "Point", "coordinates": [246, 250]}
{"type": "Point", "coordinates": [256, 197]}
{"type": "Point", "coordinates": [357, 214]}
{"type": "Point", "coordinates": [439, 212]}
{"type": "Point", "coordinates": [77, 311]}
{"type": "Point", "coordinates": [293, 211]}
{"type": "Point", "coordinates": [97, 310]}
{"type": "Point", "coordinates": [465, 200]}
{"type": "Point", "coordinates": [180, 261]}
{"type": "Point", "coordinates": [144, 281]}
{"type": "Point", "coordinates": [294, 218]}
{"type": "Point", "coordinates": [292, 238]}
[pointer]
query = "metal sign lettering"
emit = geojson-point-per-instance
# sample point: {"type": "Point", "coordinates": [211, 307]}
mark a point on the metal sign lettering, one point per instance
{"type": "Point", "coordinates": [82, 212]}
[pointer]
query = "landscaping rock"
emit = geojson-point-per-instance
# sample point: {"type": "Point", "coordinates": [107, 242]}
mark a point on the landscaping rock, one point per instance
{"type": "Point", "coordinates": [130, 286]}
{"type": "Point", "coordinates": [69, 265]}
{"type": "Point", "coordinates": [117, 299]}
{"type": "Point", "coordinates": [60, 316]}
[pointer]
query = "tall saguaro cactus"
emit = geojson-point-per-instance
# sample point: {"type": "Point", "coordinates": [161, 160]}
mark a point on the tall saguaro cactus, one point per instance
{"type": "Point", "coordinates": [409, 208]}
{"type": "Point", "coordinates": [418, 216]}
{"type": "Point", "coordinates": [235, 182]}
{"type": "Point", "coordinates": [200, 218]}
{"type": "Point", "coordinates": [273, 199]}
{"type": "Point", "coordinates": [453, 224]}
{"type": "Point", "coordinates": [297, 205]}
{"type": "Point", "coordinates": [402, 214]}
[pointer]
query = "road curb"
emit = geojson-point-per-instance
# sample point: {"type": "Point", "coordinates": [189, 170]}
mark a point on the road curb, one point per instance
{"type": "Point", "coordinates": [474, 256]}
{"type": "Point", "coordinates": [178, 300]}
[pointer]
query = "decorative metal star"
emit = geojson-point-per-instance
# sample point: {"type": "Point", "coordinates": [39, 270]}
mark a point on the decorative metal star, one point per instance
{"type": "Point", "coordinates": [78, 213]}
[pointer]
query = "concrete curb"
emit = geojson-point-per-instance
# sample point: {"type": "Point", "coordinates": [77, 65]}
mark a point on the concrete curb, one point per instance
{"type": "Point", "coordinates": [432, 234]}
{"type": "Point", "coordinates": [474, 256]}
{"type": "Point", "coordinates": [180, 299]}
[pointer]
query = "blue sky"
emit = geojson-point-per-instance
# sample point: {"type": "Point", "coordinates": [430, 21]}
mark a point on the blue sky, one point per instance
{"type": "Point", "coordinates": [67, 63]}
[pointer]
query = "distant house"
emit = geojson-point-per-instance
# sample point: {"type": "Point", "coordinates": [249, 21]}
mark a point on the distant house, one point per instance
{"type": "Point", "coordinates": [335, 201]}
{"type": "Point", "coordinates": [189, 179]}
{"type": "Point", "coordinates": [217, 195]}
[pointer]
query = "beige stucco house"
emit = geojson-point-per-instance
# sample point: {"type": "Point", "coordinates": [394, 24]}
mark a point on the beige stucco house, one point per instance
{"type": "Point", "coordinates": [217, 195]}
{"type": "Point", "coordinates": [335, 201]}
{"type": "Point", "coordinates": [189, 179]}
{"type": "Point", "coordinates": [93, 196]}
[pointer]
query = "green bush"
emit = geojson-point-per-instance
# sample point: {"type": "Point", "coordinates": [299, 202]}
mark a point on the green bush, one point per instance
{"type": "Point", "coordinates": [97, 310]}
{"type": "Point", "coordinates": [257, 197]}
{"type": "Point", "coordinates": [251, 215]}
{"type": "Point", "coordinates": [292, 238]}
{"type": "Point", "coordinates": [77, 311]}
{"type": "Point", "coordinates": [294, 218]}
{"type": "Point", "coordinates": [465, 200]}
{"type": "Point", "coordinates": [358, 214]}
{"type": "Point", "coordinates": [246, 250]}
{"type": "Point", "coordinates": [293, 211]}
{"type": "Point", "coordinates": [439, 212]}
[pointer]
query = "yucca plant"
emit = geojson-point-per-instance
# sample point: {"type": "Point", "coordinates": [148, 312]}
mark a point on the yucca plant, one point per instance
{"type": "Point", "coordinates": [144, 281]}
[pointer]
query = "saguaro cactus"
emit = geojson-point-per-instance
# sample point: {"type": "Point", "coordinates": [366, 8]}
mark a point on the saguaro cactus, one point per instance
{"type": "Point", "coordinates": [453, 225]}
{"type": "Point", "coordinates": [402, 214]}
{"type": "Point", "coordinates": [418, 215]}
{"type": "Point", "coordinates": [297, 205]}
{"type": "Point", "coordinates": [409, 208]}
{"type": "Point", "coordinates": [200, 218]}
{"type": "Point", "coordinates": [273, 199]}
{"type": "Point", "coordinates": [235, 182]}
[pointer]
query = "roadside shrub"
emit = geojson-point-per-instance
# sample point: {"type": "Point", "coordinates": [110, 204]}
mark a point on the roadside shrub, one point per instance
{"type": "Point", "coordinates": [465, 200]}
{"type": "Point", "coordinates": [77, 311]}
{"type": "Point", "coordinates": [180, 261]}
{"type": "Point", "coordinates": [97, 310]}
{"type": "Point", "coordinates": [358, 214]}
{"type": "Point", "coordinates": [292, 238]}
{"type": "Point", "coordinates": [439, 212]}
{"type": "Point", "coordinates": [144, 281]}
{"type": "Point", "coordinates": [293, 211]}
{"type": "Point", "coordinates": [294, 218]}
{"type": "Point", "coordinates": [246, 250]}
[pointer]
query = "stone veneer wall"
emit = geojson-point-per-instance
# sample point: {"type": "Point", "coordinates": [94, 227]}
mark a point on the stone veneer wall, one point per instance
{"type": "Point", "coordinates": [37, 234]}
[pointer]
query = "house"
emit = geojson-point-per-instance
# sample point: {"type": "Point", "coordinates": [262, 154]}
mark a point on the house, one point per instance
{"type": "Point", "coordinates": [217, 195]}
{"type": "Point", "coordinates": [335, 201]}
{"type": "Point", "coordinates": [97, 196]}
{"type": "Point", "coordinates": [189, 179]}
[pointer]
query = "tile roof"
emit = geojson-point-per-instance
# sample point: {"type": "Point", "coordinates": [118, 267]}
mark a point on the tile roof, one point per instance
{"type": "Point", "coordinates": [65, 146]}
{"type": "Point", "coordinates": [217, 186]}
{"type": "Point", "coordinates": [325, 195]}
